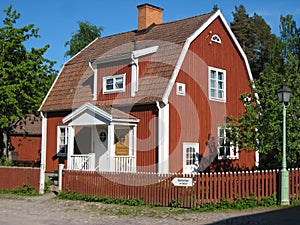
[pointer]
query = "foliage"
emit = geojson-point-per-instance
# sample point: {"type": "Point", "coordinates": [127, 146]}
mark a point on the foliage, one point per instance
{"type": "Point", "coordinates": [27, 190]}
{"type": "Point", "coordinates": [260, 126]}
{"type": "Point", "coordinates": [175, 203]}
{"type": "Point", "coordinates": [238, 203]}
{"type": "Point", "coordinates": [25, 74]}
{"type": "Point", "coordinates": [84, 36]}
{"type": "Point", "coordinates": [255, 37]}
{"type": "Point", "coordinates": [4, 161]}
{"type": "Point", "coordinates": [48, 183]}
{"type": "Point", "coordinates": [102, 199]}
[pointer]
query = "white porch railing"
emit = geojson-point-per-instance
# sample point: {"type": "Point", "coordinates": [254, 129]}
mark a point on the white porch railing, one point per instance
{"type": "Point", "coordinates": [124, 164]}
{"type": "Point", "coordinates": [84, 162]}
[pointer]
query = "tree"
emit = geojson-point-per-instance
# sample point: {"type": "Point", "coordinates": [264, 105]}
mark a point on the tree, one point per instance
{"type": "Point", "coordinates": [215, 8]}
{"type": "Point", "coordinates": [255, 37]}
{"type": "Point", "coordinates": [25, 75]}
{"type": "Point", "coordinates": [85, 35]}
{"type": "Point", "coordinates": [260, 127]}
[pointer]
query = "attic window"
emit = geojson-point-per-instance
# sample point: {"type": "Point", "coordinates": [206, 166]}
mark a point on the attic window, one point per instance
{"type": "Point", "coordinates": [216, 38]}
{"type": "Point", "coordinates": [115, 83]}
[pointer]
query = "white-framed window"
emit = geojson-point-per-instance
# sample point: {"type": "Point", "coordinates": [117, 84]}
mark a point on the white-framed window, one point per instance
{"type": "Point", "coordinates": [62, 141]}
{"type": "Point", "coordinates": [115, 83]}
{"type": "Point", "coordinates": [217, 84]}
{"type": "Point", "coordinates": [190, 157]}
{"type": "Point", "coordinates": [226, 150]}
{"type": "Point", "coordinates": [216, 38]}
{"type": "Point", "coordinates": [180, 89]}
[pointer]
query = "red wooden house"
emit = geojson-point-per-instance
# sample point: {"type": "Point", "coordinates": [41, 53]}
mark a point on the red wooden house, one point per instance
{"type": "Point", "coordinates": [25, 139]}
{"type": "Point", "coordinates": [152, 99]}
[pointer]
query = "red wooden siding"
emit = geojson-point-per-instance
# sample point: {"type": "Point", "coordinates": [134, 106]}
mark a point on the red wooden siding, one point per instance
{"type": "Point", "coordinates": [16, 177]}
{"type": "Point", "coordinates": [28, 148]}
{"type": "Point", "coordinates": [146, 137]}
{"type": "Point", "coordinates": [194, 118]}
{"type": "Point", "coordinates": [53, 120]}
{"type": "Point", "coordinates": [158, 188]}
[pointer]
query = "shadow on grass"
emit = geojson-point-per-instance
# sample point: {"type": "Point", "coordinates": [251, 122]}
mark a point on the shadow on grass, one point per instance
{"type": "Point", "coordinates": [283, 216]}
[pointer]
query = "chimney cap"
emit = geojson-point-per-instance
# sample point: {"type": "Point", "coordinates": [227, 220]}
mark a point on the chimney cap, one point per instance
{"type": "Point", "coordinates": [147, 4]}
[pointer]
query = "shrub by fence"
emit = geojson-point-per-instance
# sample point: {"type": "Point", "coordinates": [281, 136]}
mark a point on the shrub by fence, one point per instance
{"type": "Point", "coordinates": [158, 189]}
{"type": "Point", "coordinates": [16, 177]}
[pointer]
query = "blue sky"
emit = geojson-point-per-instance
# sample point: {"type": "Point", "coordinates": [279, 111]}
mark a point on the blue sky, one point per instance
{"type": "Point", "coordinates": [57, 19]}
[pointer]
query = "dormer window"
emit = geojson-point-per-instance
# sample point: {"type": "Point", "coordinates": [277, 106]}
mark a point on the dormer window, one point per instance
{"type": "Point", "coordinates": [216, 38]}
{"type": "Point", "coordinates": [115, 83]}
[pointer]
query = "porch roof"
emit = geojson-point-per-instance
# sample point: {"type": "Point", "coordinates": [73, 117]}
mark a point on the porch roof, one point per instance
{"type": "Point", "coordinates": [89, 114]}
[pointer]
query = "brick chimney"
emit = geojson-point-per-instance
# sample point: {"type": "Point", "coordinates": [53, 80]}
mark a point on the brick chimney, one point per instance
{"type": "Point", "coordinates": [148, 14]}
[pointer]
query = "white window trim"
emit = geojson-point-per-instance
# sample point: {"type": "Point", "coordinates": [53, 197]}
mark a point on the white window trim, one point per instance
{"type": "Point", "coordinates": [184, 166]}
{"type": "Point", "coordinates": [114, 77]}
{"type": "Point", "coordinates": [178, 91]}
{"type": "Point", "coordinates": [66, 140]}
{"type": "Point", "coordinates": [231, 148]}
{"type": "Point", "coordinates": [213, 98]}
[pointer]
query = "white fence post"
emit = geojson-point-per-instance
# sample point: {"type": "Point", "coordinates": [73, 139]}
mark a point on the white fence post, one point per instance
{"type": "Point", "coordinates": [60, 171]}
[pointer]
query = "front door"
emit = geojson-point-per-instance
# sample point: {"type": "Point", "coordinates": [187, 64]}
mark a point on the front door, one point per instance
{"type": "Point", "coordinates": [100, 148]}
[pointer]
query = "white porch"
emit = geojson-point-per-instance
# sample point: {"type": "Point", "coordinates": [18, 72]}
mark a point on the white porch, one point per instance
{"type": "Point", "coordinates": [101, 141]}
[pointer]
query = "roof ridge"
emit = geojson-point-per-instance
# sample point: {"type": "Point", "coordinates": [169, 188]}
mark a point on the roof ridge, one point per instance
{"type": "Point", "coordinates": [156, 25]}
{"type": "Point", "coordinates": [188, 18]}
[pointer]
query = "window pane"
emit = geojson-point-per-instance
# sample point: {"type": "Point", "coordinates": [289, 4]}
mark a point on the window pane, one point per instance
{"type": "Point", "coordinates": [220, 76]}
{"type": "Point", "coordinates": [110, 81]}
{"type": "Point", "coordinates": [119, 82]}
{"type": "Point", "coordinates": [212, 84]}
{"type": "Point", "coordinates": [190, 156]}
{"type": "Point", "coordinates": [212, 92]}
{"type": "Point", "coordinates": [213, 74]}
{"type": "Point", "coordinates": [220, 94]}
{"type": "Point", "coordinates": [109, 87]}
{"type": "Point", "coordinates": [220, 85]}
{"type": "Point", "coordinates": [221, 151]}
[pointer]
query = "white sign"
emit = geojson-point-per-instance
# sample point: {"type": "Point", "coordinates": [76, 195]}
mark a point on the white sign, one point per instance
{"type": "Point", "coordinates": [183, 181]}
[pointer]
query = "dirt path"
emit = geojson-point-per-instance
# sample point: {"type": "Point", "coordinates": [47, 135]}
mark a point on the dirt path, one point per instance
{"type": "Point", "coordinates": [47, 210]}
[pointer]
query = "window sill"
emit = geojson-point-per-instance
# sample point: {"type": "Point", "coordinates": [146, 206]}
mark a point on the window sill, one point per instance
{"type": "Point", "coordinates": [112, 92]}
{"type": "Point", "coordinates": [218, 100]}
{"type": "Point", "coordinates": [228, 157]}
{"type": "Point", "coordinates": [62, 155]}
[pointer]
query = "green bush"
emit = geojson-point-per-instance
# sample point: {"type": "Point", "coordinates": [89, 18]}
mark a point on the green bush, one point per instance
{"type": "Point", "coordinates": [4, 161]}
{"type": "Point", "coordinates": [26, 190]}
{"type": "Point", "coordinates": [175, 203]}
{"type": "Point", "coordinates": [238, 203]}
{"type": "Point", "coordinates": [102, 199]}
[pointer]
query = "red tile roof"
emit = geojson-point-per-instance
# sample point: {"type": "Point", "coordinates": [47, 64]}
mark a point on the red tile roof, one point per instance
{"type": "Point", "coordinates": [75, 82]}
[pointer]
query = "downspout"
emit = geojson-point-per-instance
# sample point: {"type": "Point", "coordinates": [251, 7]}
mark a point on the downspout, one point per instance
{"type": "Point", "coordinates": [43, 153]}
{"type": "Point", "coordinates": [163, 137]}
{"type": "Point", "coordinates": [95, 81]}
{"type": "Point", "coordinates": [134, 76]}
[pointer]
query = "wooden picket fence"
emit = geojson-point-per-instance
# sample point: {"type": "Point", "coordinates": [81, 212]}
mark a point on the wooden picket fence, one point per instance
{"type": "Point", "coordinates": [17, 177]}
{"type": "Point", "coordinates": [158, 189]}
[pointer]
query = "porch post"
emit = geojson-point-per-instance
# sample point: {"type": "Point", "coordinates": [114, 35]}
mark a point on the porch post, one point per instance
{"type": "Point", "coordinates": [163, 138]}
{"type": "Point", "coordinates": [70, 147]}
{"type": "Point", "coordinates": [134, 145]}
{"type": "Point", "coordinates": [110, 146]}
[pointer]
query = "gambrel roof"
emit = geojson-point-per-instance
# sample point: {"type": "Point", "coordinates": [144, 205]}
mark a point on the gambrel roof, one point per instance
{"type": "Point", "coordinates": [74, 84]}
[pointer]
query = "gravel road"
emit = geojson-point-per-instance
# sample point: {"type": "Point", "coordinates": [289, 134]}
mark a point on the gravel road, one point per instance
{"type": "Point", "coordinates": [47, 210]}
